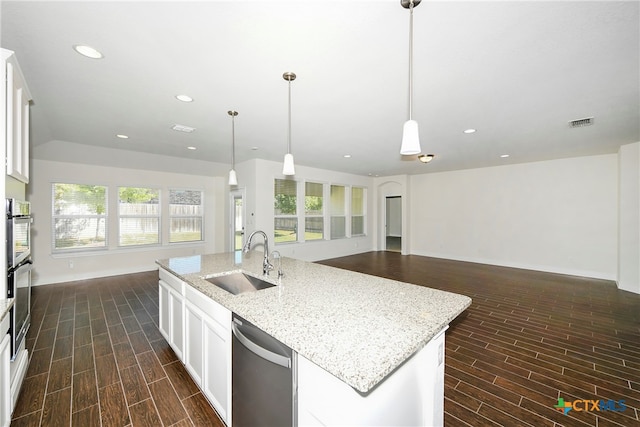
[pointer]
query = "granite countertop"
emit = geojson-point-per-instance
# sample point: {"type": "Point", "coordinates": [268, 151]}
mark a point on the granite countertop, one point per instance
{"type": "Point", "coordinates": [356, 326]}
{"type": "Point", "coordinates": [5, 306]}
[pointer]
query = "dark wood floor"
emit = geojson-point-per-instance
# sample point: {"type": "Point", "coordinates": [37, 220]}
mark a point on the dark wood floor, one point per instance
{"type": "Point", "coordinates": [97, 358]}
{"type": "Point", "coordinates": [528, 339]}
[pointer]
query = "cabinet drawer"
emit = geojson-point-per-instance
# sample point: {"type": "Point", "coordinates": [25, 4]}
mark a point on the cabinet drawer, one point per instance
{"type": "Point", "coordinates": [172, 281]}
{"type": "Point", "coordinates": [215, 311]}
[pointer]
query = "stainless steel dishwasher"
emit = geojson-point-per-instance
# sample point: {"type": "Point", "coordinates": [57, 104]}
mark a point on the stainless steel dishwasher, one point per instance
{"type": "Point", "coordinates": [264, 373]}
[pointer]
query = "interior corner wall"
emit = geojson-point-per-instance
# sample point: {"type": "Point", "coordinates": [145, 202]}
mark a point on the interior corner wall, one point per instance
{"type": "Point", "coordinates": [629, 222]}
{"type": "Point", "coordinates": [556, 216]}
{"type": "Point", "coordinates": [55, 268]}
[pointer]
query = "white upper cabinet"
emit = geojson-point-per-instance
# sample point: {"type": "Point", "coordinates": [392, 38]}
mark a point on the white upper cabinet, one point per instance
{"type": "Point", "coordinates": [16, 118]}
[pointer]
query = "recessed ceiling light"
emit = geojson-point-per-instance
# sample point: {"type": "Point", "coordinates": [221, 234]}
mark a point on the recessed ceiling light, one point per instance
{"type": "Point", "coordinates": [254, 148]}
{"type": "Point", "coordinates": [121, 136]}
{"type": "Point", "coordinates": [184, 98]}
{"type": "Point", "coordinates": [504, 156]}
{"type": "Point", "coordinates": [469, 131]}
{"type": "Point", "coordinates": [347, 156]}
{"type": "Point", "coordinates": [88, 51]}
{"type": "Point", "coordinates": [191, 147]}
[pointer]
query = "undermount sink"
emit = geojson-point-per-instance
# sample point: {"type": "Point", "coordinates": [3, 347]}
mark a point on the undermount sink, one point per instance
{"type": "Point", "coordinates": [239, 283]}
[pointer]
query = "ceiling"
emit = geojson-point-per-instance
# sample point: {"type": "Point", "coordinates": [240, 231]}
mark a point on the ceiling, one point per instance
{"type": "Point", "coordinates": [516, 71]}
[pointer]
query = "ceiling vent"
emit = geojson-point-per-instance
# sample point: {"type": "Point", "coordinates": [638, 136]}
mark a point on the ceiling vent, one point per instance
{"type": "Point", "coordinates": [578, 123]}
{"type": "Point", "coordinates": [182, 128]}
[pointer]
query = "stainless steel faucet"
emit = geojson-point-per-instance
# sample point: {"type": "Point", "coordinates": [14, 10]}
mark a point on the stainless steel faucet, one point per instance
{"type": "Point", "coordinates": [266, 265]}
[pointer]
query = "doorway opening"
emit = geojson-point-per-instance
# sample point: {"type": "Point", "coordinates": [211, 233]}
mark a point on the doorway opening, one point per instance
{"type": "Point", "coordinates": [393, 224]}
{"type": "Point", "coordinates": [237, 220]}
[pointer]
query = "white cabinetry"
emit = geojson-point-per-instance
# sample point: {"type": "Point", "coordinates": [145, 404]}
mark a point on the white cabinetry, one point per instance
{"type": "Point", "coordinates": [199, 331]}
{"type": "Point", "coordinates": [208, 349]}
{"type": "Point", "coordinates": [413, 395]}
{"type": "Point", "coordinates": [172, 311]}
{"type": "Point", "coordinates": [16, 118]}
{"type": "Point", "coordinates": [5, 374]}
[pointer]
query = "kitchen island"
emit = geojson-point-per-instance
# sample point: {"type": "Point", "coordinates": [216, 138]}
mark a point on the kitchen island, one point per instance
{"type": "Point", "coordinates": [362, 330]}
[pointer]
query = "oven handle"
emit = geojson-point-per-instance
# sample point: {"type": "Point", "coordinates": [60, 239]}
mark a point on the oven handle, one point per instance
{"type": "Point", "coordinates": [25, 265]}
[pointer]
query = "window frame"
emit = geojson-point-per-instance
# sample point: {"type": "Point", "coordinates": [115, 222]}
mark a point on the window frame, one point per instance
{"type": "Point", "coordinates": [363, 215]}
{"type": "Point", "coordinates": [321, 215]}
{"type": "Point", "coordinates": [54, 217]}
{"type": "Point", "coordinates": [172, 217]}
{"type": "Point", "coordinates": [294, 216]}
{"type": "Point", "coordinates": [157, 216]}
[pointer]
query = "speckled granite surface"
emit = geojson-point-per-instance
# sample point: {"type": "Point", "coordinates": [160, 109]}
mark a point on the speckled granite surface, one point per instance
{"type": "Point", "coordinates": [5, 306]}
{"type": "Point", "coordinates": [356, 326]}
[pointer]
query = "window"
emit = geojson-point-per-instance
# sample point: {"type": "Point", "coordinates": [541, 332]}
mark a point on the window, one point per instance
{"type": "Point", "coordinates": [139, 216]}
{"type": "Point", "coordinates": [357, 211]}
{"type": "Point", "coordinates": [79, 216]}
{"type": "Point", "coordinates": [313, 211]}
{"type": "Point", "coordinates": [285, 225]}
{"type": "Point", "coordinates": [185, 216]}
{"type": "Point", "coordinates": [338, 216]}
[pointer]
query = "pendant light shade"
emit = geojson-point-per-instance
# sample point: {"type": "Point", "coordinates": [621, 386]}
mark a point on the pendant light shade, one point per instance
{"type": "Point", "coordinates": [233, 179]}
{"type": "Point", "coordinates": [410, 139]}
{"type": "Point", "coordinates": [289, 168]}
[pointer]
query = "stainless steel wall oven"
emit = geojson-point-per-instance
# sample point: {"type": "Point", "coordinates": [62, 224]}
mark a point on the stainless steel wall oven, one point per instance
{"type": "Point", "coordinates": [18, 214]}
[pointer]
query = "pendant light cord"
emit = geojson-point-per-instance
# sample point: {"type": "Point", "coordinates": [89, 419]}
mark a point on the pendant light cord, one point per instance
{"type": "Point", "coordinates": [233, 140]}
{"type": "Point", "coordinates": [410, 59]}
{"type": "Point", "coordinates": [289, 135]}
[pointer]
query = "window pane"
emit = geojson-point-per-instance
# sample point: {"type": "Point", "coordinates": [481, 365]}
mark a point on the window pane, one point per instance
{"type": "Point", "coordinates": [78, 233]}
{"type": "Point", "coordinates": [186, 216]}
{"type": "Point", "coordinates": [285, 230]}
{"type": "Point", "coordinates": [77, 199]}
{"type": "Point", "coordinates": [357, 201]}
{"type": "Point", "coordinates": [79, 216]}
{"type": "Point", "coordinates": [285, 192]}
{"type": "Point", "coordinates": [337, 200]}
{"type": "Point", "coordinates": [357, 225]}
{"type": "Point", "coordinates": [139, 211]}
{"type": "Point", "coordinates": [338, 227]}
{"type": "Point", "coordinates": [313, 228]}
{"type": "Point", "coordinates": [185, 202]}
{"type": "Point", "coordinates": [185, 230]}
{"type": "Point", "coordinates": [313, 198]}
{"type": "Point", "coordinates": [139, 231]}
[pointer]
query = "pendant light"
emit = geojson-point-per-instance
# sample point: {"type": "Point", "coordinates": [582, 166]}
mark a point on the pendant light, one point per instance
{"type": "Point", "coordinates": [289, 168]}
{"type": "Point", "coordinates": [410, 140]}
{"type": "Point", "coordinates": [233, 180]}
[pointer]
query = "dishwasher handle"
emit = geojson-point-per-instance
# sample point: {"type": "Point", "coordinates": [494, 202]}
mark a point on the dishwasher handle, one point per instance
{"type": "Point", "coordinates": [260, 351]}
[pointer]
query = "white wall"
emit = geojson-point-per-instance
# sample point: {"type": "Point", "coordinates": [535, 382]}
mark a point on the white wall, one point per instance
{"type": "Point", "coordinates": [50, 268]}
{"type": "Point", "coordinates": [260, 208]}
{"type": "Point", "coordinates": [558, 216]}
{"type": "Point", "coordinates": [629, 211]}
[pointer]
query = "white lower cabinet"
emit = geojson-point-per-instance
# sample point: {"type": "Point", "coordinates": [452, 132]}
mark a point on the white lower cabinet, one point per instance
{"type": "Point", "coordinates": [208, 349]}
{"type": "Point", "coordinates": [5, 374]}
{"type": "Point", "coordinates": [194, 350]}
{"type": "Point", "coordinates": [171, 322]}
{"type": "Point", "coordinates": [412, 395]}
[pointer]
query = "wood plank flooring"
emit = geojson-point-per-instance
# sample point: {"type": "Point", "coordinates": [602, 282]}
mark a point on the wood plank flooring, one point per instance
{"type": "Point", "coordinates": [98, 359]}
{"type": "Point", "coordinates": [528, 339]}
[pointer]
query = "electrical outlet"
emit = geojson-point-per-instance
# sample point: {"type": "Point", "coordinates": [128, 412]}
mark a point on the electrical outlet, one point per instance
{"type": "Point", "coordinates": [70, 264]}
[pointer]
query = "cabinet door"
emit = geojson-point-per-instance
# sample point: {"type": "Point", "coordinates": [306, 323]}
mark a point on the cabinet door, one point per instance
{"type": "Point", "coordinates": [217, 367]}
{"type": "Point", "coordinates": [17, 123]}
{"type": "Point", "coordinates": [164, 322]}
{"type": "Point", "coordinates": [193, 347]}
{"type": "Point", "coordinates": [177, 332]}
{"type": "Point", "coordinates": [5, 384]}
